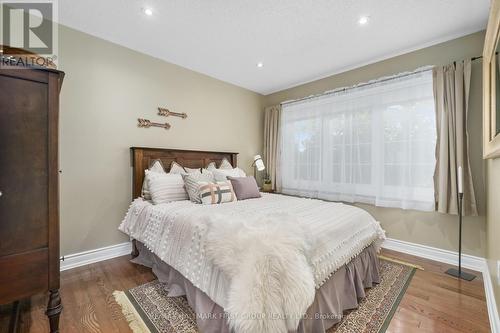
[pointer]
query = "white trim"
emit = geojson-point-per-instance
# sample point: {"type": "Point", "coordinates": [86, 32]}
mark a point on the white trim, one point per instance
{"type": "Point", "coordinates": [450, 257]}
{"type": "Point", "coordinates": [490, 301]}
{"type": "Point", "coordinates": [92, 256]}
{"type": "Point", "coordinates": [433, 253]}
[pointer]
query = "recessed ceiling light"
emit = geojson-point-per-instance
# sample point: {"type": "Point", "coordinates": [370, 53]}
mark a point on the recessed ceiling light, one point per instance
{"type": "Point", "coordinates": [260, 64]}
{"type": "Point", "coordinates": [148, 11]}
{"type": "Point", "coordinates": [363, 20]}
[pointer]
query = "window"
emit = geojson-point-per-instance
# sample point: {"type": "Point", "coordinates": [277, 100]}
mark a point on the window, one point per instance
{"type": "Point", "coordinates": [372, 144]}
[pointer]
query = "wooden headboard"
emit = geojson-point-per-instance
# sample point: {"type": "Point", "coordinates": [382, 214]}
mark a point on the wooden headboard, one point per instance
{"type": "Point", "coordinates": [143, 157]}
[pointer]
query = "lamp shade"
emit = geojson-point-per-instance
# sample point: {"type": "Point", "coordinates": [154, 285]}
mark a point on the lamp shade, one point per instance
{"type": "Point", "coordinates": [259, 164]}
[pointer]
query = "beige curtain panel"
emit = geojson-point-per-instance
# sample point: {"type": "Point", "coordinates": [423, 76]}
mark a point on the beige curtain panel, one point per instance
{"type": "Point", "coordinates": [451, 94]}
{"type": "Point", "coordinates": [272, 119]}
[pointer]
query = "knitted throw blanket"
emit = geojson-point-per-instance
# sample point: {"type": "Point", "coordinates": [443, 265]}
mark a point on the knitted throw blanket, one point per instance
{"type": "Point", "coordinates": [189, 236]}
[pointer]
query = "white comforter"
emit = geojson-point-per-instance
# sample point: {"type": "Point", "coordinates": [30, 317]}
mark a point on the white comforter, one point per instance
{"type": "Point", "coordinates": [182, 234]}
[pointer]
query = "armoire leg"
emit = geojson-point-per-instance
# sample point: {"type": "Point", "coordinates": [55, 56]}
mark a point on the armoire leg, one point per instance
{"type": "Point", "coordinates": [54, 309]}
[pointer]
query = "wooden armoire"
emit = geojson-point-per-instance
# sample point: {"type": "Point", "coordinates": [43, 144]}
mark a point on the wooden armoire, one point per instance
{"type": "Point", "coordinates": [29, 186]}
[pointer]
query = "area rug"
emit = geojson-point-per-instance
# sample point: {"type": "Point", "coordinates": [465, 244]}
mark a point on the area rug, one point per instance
{"type": "Point", "coordinates": [148, 309]}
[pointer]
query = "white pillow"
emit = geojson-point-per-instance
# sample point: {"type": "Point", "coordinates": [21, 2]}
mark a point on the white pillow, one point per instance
{"type": "Point", "coordinates": [225, 164]}
{"type": "Point", "coordinates": [211, 166]}
{"type": "Point", "coordinates": [176, 168]}
{"type": "Point", "coordinates": [221, 175]}
{"type": "Point", "coordinates": [156, 167]}
{"type": "Point", "coordinates": [192, 170]}
{"type": "Point", "coordinates": [166, 187]}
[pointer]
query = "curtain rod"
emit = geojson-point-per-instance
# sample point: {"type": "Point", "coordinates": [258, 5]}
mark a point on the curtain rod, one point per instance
{"type": "Point", "coordinates": [383, 79]}
{"type": "Point", "coordinates": [480, 57]}
{"type": "Point", "coordinates": [420, 70]}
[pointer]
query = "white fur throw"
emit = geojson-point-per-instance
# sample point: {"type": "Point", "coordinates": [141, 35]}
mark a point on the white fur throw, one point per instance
{"type": "Point", "coordinates": [272, 284]}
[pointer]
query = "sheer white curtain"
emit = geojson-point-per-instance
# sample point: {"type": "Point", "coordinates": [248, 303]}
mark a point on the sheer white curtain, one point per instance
{"type": "Point", "coordinates": [373, 144]}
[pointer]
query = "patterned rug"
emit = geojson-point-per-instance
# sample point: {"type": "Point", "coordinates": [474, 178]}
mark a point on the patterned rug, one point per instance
{"type": "Point", "coordinates": [149, 310]}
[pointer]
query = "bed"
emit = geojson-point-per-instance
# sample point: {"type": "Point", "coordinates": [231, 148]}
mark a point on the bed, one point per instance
{"type": "Point", "coordinates": [270, 264]}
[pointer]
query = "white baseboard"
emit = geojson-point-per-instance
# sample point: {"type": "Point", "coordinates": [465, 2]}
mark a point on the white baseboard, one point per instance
{"type": "Point", "coordinates": [433, 253]}
{"type": "Point", "coordinates": [450, 257]}
{"type": "Point", "coordinates": [92, 256]}
{"type": "Point", "coordinates": [490, 300]}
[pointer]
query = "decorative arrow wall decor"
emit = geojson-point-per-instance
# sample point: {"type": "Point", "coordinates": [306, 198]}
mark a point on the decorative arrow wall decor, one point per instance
{"type": "Point", "coordinates": [166, 112]}
{"type": "Point", "coordinates": [146, 123]}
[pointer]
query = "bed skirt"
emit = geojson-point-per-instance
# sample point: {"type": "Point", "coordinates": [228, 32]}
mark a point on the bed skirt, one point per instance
{"type": "Point", "coordinates": [342, 291]}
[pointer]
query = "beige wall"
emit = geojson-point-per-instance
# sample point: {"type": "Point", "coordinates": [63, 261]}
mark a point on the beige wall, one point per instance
{"type": "Point", "coordinates": [433, 229]}
{"type": "Point", "coordinates": [107, 87]}
{"type": "Point", "coordinates": [493, 223]}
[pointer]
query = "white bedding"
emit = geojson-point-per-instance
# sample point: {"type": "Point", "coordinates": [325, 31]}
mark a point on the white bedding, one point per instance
{"type": "Point", "coordinates": [176, 233]}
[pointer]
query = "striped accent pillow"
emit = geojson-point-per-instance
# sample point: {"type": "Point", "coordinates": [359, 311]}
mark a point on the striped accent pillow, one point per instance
{"type": "Point", "coordinates": [216, 193]}
{"type": "Point", "coordinates": [192, 186]}
{"type": "Point", "coordinates": [166, 187]}
{"type": "Point", "coordinates": [157, 167]}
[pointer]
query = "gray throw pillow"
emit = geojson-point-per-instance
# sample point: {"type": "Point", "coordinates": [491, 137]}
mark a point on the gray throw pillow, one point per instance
{"type": "Point", "coordinates": [245, 187]}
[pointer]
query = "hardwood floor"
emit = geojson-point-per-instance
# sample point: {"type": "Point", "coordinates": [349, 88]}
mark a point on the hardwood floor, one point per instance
{"type": "Point", "coordinates": [434, 302]}
{"type": "Point", "coordinates": [87, 299]}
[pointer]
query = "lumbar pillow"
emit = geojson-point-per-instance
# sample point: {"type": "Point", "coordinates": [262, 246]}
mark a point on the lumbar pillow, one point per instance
{"type": "Point", "coordinates": [166, 187]}
{"type": "Point", "coordinates": [192, 186]}
{"type": "Point", "coordinates": [156, 167]}
{"type": "Point", "coordinates": [216, 193]}
{"type": "Point", "coordinates": [221, 175]}
{"type": "Point", "coordinates": [245, 187]}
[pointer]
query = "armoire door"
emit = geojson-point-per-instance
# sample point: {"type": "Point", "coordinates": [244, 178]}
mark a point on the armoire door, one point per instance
{"type": "Point", "coordinates": [24, 221]}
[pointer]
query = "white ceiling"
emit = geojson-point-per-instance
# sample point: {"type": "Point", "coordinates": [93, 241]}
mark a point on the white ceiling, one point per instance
{"type": "Point", "coordinates": [297, 40]}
